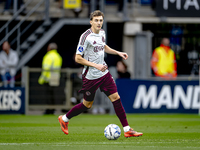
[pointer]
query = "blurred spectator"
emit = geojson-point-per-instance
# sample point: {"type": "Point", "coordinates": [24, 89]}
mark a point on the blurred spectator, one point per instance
{"type": "Point", "coordinates": [95, 7]}
{"type": "Point", "coordinates": [10, 3]}
{"type": "Point", "coordinates": [8, 63]}
{"type": "Point", "coordinates": [59, 2]}
{"type": "Point", "coordinates": [76, 11]}
{"type": "Point", "coordinates": [50, 76]}
{"type": "Point", "coordinates": [122, 70]}
{"type": "Point", "coordinates": [120, 4]}
{"type": "Point", "coordinates": [163, 61]}
{"type": "Point", "coordinates": [120, 7]}
{"type": "Point", "coordinates": [7, 6]}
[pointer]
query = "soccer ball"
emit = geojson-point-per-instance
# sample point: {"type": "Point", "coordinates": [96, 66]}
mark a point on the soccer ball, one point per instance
{"type": "Point", "coordinates": [112, 132]}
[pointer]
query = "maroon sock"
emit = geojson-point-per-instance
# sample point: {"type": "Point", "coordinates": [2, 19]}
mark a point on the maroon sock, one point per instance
{"type": "Point", "coordinates": [76, 110]}
{"type": "Point", "coordinates": [120, 112]}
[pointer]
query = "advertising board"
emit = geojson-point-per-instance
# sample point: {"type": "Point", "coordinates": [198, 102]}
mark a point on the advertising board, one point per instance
{"type": "Point", "coordinates": [12, 100]}
{"type": "Point", "coordinates": [145, 96]}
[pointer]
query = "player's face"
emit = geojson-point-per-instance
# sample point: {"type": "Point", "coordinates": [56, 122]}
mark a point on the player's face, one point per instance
{"type": "Point", "coordinates": [96, 23]}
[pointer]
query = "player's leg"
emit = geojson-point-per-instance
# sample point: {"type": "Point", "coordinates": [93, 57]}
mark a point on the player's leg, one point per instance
{"type": "Point", "coordinates": [119, 109]}
{"type": "Point", "coordinates": [88, 89]}
{"type": "Point", "coordinates": [120, 112]}
{"type": "Point", "coordinates": [76, 110]}
{"type": "Point", "coordinates": [110, 89]}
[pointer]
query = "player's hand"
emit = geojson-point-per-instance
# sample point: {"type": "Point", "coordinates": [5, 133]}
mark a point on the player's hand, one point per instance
{"type": "Point", "coordinates": [101, 67]}
{"type": "Point", "coordinates": [123, 55]}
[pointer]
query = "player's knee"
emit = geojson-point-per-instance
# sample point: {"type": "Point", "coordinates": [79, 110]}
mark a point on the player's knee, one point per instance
{"type": "Point", "coordinates": [87, 104]}
{"type": "Point", "coordinates": [114, 97]}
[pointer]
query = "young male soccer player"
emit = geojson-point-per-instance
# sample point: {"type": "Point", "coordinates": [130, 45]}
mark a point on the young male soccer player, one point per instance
{"type": "Point", "coordinates": [90, 53]}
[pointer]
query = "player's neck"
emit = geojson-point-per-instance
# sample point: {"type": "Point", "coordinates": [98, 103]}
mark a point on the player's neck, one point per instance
{"type": "Point", "coordinates": [95, 31]}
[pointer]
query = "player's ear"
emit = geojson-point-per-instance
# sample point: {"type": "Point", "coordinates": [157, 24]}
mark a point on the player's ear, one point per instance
{"type": "Point", "coordinates": [91, 22]}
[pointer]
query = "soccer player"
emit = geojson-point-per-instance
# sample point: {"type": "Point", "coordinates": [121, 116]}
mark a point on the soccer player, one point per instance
{"type": "Point", "coordinates": [90, 53]}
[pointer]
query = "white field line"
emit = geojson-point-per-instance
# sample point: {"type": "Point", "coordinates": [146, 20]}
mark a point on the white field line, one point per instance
{"type": "Point", "coordinates": [118, 144]}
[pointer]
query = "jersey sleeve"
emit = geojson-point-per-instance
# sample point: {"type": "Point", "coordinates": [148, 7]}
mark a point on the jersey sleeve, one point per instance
{"type": "Point", "coordinates": [82, 45]}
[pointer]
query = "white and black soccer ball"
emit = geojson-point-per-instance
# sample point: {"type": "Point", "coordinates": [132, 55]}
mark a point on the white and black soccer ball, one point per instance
{"type": "Point", "coordinates": [112, 132]}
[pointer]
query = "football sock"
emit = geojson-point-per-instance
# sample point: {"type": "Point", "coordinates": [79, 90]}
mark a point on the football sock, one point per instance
{"type": "Point", "coordinates": [64, 118]}
{"type": "Point", "coordinates": [126, 128]}
{"type": "Point", "coordinates": [120, 112]}
{"type": "Point", "coordinates": [76, 110]}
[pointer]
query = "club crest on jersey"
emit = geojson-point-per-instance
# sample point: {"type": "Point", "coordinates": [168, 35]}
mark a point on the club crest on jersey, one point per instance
{"type": "Point", "coordinates": [88, 93]}
{"type": "Point", "coordinates": [103, 39]}
{"type": "Point", "coordinates": [80, 49]}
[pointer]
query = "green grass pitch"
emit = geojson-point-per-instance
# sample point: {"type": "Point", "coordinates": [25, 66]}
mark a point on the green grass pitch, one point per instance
{"type": "Point", "coordinates": [86, 132]}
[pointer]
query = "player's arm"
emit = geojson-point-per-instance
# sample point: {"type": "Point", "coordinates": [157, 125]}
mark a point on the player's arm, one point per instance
{"type": "Point", "coordinates": [114, 52]}
{"type": "Point", "coordinates": [79, 59]}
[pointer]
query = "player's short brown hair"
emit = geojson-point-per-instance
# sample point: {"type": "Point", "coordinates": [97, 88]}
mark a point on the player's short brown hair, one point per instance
{"type": "Point", "coordinates": [96, 13]}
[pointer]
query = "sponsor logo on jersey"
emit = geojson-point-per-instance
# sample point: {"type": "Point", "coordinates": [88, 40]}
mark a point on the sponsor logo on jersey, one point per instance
{"type": "Point", "coordinates": [98, 48]}
{"type": "Point", "coordinates": [80, 49]}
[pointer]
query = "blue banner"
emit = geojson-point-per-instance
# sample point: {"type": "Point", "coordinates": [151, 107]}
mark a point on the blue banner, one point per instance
{"type": "Point", "coordinates": [146, 2]}
{"type": "Point", "coordinates": [12, 100]}
{"type": "Point", "coordinates": [145, 96]}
